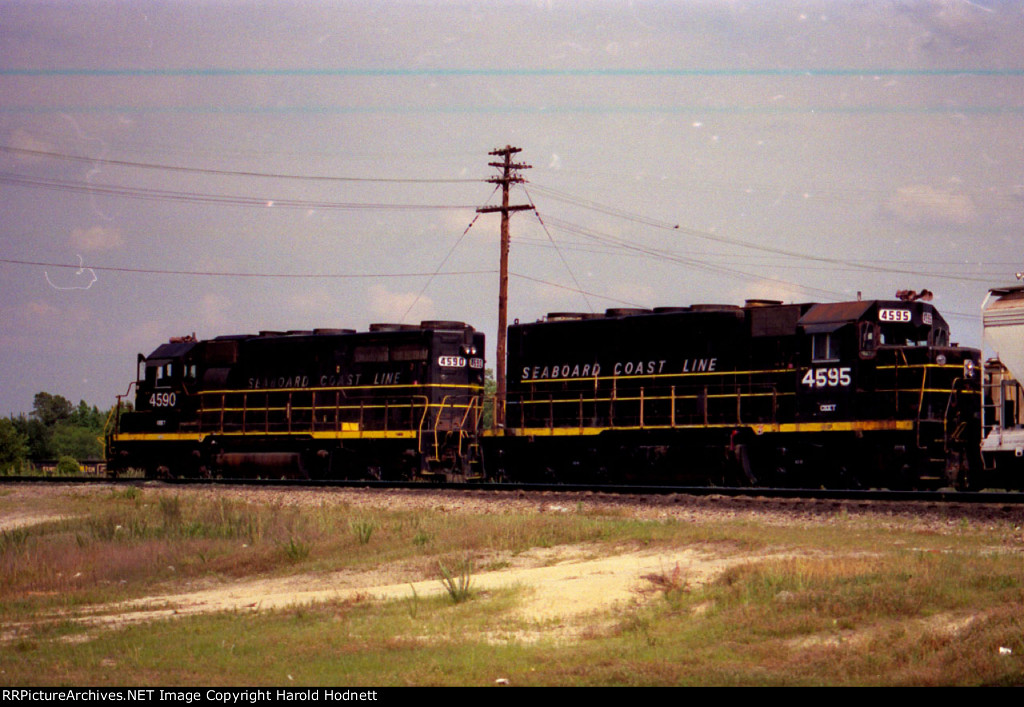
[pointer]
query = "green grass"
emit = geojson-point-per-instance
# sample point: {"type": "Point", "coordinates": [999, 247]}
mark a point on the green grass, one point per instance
{"type": "Point", "coordinates": [853, 600]}
{"type": "Point", "coordinates": [458, 581]}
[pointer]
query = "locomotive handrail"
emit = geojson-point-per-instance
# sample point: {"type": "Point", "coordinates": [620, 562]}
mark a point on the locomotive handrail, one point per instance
{"type": "Point", "coordinates": [419, 429]}
{"type": "Point", "coordinates": [920, 397]}
{"type": "Point", "coordinates": [945, 416]}
{"type": "Point", "coordinates": [639, 408]}
{"type": "Point", "coordinates": [445, 402]}
{"type": "Point", "coordinates": [113, 418]}
{"type": "Point", "coordinates": [461, 423]}
{"type": "Point", "coordinates": [256, 415]}
{"type": "Point", "coordinates": [343, 388]}
{"type": "Point", "coordinates": [117, 418]}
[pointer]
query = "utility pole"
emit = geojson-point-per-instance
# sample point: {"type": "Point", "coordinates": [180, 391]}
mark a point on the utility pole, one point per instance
{"type": "Point", "coordinates": [508, 177]}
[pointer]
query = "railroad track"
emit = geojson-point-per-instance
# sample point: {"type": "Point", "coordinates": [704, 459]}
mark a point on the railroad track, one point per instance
{"type": "Point", "coordinates": [1009, 498]}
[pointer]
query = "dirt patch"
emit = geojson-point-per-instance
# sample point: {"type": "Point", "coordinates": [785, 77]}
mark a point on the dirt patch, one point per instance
{"type": "Point", "coordinates": [561, 587]}
{"type": "Point", "coordinates": [944, 624]}
{"type": "Point", "coordinates": [14, 520]}
{"type": "Point", "coordinates": [566, 591]}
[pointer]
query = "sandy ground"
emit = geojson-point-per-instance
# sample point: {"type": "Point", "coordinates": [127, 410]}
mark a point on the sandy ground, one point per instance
{"type": "Point", "coordinates": [559, 585]}
{"type": "Point", "coordinates": [12, 520]}
{"type": "Point", "coordinates": [563, 588]}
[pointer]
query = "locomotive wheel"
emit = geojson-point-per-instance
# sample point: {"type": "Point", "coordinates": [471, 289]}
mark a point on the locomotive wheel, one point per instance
{"type": "Point", "coordinates": [903, 478]}
{"type": "Point", "coordinates": [736, 469]}
{"type": "Point", "coordinates": [843, 477]}
{"type": "Point", "coordinates": [965, 477]}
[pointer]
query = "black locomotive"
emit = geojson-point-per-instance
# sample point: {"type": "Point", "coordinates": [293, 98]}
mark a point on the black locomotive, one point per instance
{"type": "Point", "coordinates": [398, 400]}
{"type": "Point", "coordinates": [853, 393]}
{"type": "Point", "coordinates": [865, 393]}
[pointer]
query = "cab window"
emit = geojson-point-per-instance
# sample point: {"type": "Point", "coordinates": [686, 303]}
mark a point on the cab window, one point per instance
{"type": "Point", "coordinates": [904, 335]}
{"type": "Point", "coordinates": [825, 347]}
{"type": "Point", "coordinates": [868, 338]}
{"type": "Point", "coordinates": [161, 375]}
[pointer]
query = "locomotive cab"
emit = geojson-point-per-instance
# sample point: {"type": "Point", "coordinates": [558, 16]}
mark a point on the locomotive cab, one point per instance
{"type": "Point", "coordinates": [166, 374]}
{"type": "Point", "coordinates": [160, 396]}
{"type": "Point", "coordinates": [887, 366]}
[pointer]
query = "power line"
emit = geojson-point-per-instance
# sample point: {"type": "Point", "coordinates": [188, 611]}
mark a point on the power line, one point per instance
{"type": "Point", "coordinates": [670, 256]}
{"type": "Point", "coordinates": [558, 250]}
{"type": "Point", "coordinates": [777, 261]}
{"type": "Point", "coordinates": [222, 172]}
{"type": "Point", "coordinates": [441, 264]}
{"type": "Point", "coordinates": [665, 225]}
{"type": "Point", "coordinates": [621, 72]}
{"type": "Point", "coordinates": [199, 198]}
{"type": "Point", "coordinates": [211, 273]}
{"type": "Point", "coordinates": [575, 289]}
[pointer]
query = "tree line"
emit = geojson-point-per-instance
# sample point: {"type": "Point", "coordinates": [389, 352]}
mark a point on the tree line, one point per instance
{"type": "Point", "coordinates": [55, 429]}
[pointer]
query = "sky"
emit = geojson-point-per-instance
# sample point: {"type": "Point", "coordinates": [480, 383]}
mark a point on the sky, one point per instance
{"type": "Point", "coordinates": [231, 166]}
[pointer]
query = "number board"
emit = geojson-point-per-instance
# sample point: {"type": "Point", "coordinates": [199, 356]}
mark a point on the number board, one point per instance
{"type": "Point", "coordinates": [894, 315]}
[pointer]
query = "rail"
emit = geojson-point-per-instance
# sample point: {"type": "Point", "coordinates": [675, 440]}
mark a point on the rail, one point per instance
{"type": "Point", "coordinates": [640, 408]}
{"type": "Point", "coordinates": [911, 393]}
{"type": "Point", "coordinates": [294, 412]}
{"type": "Point", "coordinates": [473, 405]}
{"type": "Point", "coordinates": [112, 423]}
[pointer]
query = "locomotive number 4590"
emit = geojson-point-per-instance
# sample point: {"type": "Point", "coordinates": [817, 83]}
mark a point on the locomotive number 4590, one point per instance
{"type": "Point", "coordinates": [827, 377]}
{"type": "Point", "coordinates": [163, 400]}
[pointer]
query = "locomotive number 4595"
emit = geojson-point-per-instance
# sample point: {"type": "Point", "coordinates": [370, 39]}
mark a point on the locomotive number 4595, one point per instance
{"type": "Point", "coordinates": [827, 377]}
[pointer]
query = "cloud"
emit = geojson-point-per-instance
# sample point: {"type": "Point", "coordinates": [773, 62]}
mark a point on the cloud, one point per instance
{"type": "Point", "coordinates": [39, 323]}
{"type": "Point", "coordinates": [454, 222]}
{"type": "Point", "coordinates": [213, 311]}
{"type": "Point", "coordinates": [629, 294]}
{"type": "Point", "coordinates": [314, 302]}
{"type": "Point", "coordinates": [953, 26]}
{"type": "Point", "coordinates": [400, 306]}
{"type": "Point", "coordinates": [96, 238]}
{"type": "Point", "coordinates": [37, 310]}
{"type": "Point", "coordinates": [766, 290]}
{"type": "Point", "coordinates": [23, 140]}
{"type": "Point", "coordinates": [922, 205]}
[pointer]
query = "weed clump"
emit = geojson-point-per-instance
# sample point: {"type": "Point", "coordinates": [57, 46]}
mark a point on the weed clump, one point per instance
{"type": "Point", "coordinates": [457, 583]}
{"type": "Point", "coordinates": [672, 585]}
{"type": "Point", "coordinates": [296, 549]}
{"type": "Point", "coordinates": [363, 530]}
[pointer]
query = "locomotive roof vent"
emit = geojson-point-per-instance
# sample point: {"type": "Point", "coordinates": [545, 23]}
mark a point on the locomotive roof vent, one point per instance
{"type": "Point", "coordinates": [332, 332]}
{"type": "Point", "coordinates": [625, 311]}
{"type": "Point", "coordinates": [442, 324]}
{"type": "Point", "coordinates": [715, 307]}
{"type": "Point", "coordinates": [299, 332]}
{"type": "Point", "coordinates": [271, 333]}
{"type": "Point", "coordinates": [671, 310]}
{"type": "Point", "coordinates": [571, 316]}
{"type": "Point", "coordinates": [391, 326]}
{"type": "Point", "coordinates": [762, 303]}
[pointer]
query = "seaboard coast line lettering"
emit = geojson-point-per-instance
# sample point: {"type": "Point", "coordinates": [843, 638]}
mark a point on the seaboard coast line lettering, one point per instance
{"type": "Point", "coordinates": [642, 367]}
